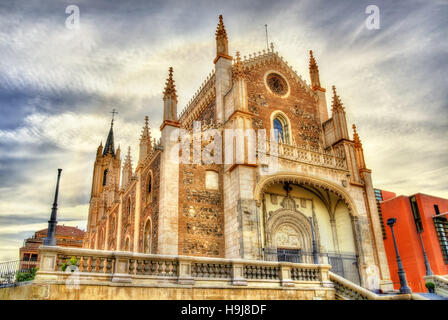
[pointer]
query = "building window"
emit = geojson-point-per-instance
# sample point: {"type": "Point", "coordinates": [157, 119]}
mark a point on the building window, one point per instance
{"type": "Point", "coordinates": [441, 224]}
{"type": "Point", "coordinates": [149, 183]}
{"type": "Point", "coordinates": [281, 129]}
{"type": "Point", "coordinates": [129, 206]}
{"type": "Point", "coordinates": [277, 84]}
{"type": "Point", "coordinates": [104, 177]}
{"type": "Point", "coordinates": [211, 180]}
{"type": "Point", "coordinates": [416, 214]}
{"type": "Point", "coordinates": [379, 198]}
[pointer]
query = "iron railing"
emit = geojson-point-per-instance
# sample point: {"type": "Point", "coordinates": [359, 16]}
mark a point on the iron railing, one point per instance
{"type": "Point", "coordinates": [343, 264]}
{"type": "Point", "coordinates": [9, 270]}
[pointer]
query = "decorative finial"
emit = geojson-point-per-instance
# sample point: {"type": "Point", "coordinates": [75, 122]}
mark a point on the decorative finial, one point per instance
{"type": "Point", "coordinates": [221, 30]}
{"type": "Point", "coordinates": [272, 47]}
{"type": "Point", "coordinates": [238, 71]}
{"type": "Point", "coordinates": [313, 64]}
{"type": "Point", "coordinates": [336, 104]}
{"type": "Point", "coordinates": [358, 144]}
{"type": "Point", "coordinates": [170, 87]}
{"type": "Point", "coordinates": [146, 120]}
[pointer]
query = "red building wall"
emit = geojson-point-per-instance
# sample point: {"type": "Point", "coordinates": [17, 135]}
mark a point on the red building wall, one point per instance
{"type": "Point", "coordinates": [408, 241]}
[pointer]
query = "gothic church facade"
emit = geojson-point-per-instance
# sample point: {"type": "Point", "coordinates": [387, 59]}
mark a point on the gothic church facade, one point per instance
{"type": "Point", "coordinates": [320, 199]}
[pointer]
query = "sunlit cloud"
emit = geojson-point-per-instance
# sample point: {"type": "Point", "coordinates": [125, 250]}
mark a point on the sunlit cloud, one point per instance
{"type": "Point", "coordinates": [57, 86]}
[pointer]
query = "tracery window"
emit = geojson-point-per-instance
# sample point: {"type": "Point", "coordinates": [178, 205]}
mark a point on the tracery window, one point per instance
{"type": "Point", "coordinates": [281, 127]}
{"type": "Point", "coordinates": [277, 84]}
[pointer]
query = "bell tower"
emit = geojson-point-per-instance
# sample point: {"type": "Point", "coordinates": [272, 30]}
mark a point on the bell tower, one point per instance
{"type": "Point", "coordinates": [105, 183]}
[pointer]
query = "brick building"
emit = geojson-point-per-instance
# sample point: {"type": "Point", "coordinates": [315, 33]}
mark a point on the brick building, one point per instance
{"type": "Point", "coordinates": [306, 189]}
{"type": "Point", "coordinates": [65, 237]}
{"type": "Point", "coordinates": [419, 214]}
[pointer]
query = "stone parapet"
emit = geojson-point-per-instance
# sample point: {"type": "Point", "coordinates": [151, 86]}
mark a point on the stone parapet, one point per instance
{"type": "Point", "coordinates": [137, 269]}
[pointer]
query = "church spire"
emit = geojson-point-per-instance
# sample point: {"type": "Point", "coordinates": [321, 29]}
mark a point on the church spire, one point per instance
{"type": "Point", "coordinates": [170, 98]}
{"type": "Point", "coordinates": [222, 43]}
{"type": "Point", "coordinates": [145, 141]}
{"type": "Point", "coordinates": [109, 146]}
{"type": "Point", "coordinates": [127, 168]}
{"type": "Point", "coordinates": [314, 73]}
{"type": "Point", "coordinates": [336, 105]}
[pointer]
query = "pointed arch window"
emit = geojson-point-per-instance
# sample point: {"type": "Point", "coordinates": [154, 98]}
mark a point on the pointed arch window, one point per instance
{"type": "Point", "coordinates": [149, 187]}
{"type": "Point", "coordinates": [281, 126]}
{"type": "Point", "coordinates": [129, 206]}
{"type": "Point", "coordinates": [105, 177]}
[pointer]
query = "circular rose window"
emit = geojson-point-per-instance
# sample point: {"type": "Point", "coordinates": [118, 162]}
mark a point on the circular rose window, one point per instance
{"type": "Point", "coordinates": [277, 84]}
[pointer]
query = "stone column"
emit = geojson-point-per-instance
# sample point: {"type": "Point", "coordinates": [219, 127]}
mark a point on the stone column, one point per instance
{"type": "Point", "coordinates": [169, 192]}
{"type": "Point", "coordinates": [383, 266]}
{"type": "Point", "coordinates": [120, 213]}
{"type": "Point", "coordinates": [138, 202]}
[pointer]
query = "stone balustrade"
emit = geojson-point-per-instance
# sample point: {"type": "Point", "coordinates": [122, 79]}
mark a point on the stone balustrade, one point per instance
{"type": "Point", "coordinates": [98, 266]}
{"type": "Point", "coordinates": [347, 290]}
{"type": "Point", "coordinates": [308, 155]}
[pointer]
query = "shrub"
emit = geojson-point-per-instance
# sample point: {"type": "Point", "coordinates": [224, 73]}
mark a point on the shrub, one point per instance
{"type": "Point", "coordinates": [72, 262]}
{"type": "Point", "coordinates": [26, 275]}
{"type": "Point", "coordinates": [430, 285]}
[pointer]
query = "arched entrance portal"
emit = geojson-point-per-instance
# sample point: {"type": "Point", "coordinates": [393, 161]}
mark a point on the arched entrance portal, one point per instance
{"type": "Point", "coordinates": [292, 209]}
{"type": "Point", "coordinates": [288, 235]}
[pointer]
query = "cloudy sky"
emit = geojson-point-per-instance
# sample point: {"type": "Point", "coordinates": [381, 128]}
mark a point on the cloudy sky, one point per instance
{"type": "Point", "coordinates": [58, 86]}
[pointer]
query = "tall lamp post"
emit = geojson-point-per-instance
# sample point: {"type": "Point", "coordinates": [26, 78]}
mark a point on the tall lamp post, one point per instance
{"type": "Point", "coordinates": [401, 274]}
{"type": "Point", "coordinates": [50, 240]}
{"type": "Point", "coordinates": [425, 257]}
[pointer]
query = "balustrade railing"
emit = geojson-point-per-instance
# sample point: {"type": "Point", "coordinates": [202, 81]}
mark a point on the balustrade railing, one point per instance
{"type": "Point", "coordinates": [347, 290]}
{"type": "Point", "coordinates": [440, 284]}
{"type": "Point", "coordinates": [307, 154]}
{"type": "Point", "coordinates": [137, 267]}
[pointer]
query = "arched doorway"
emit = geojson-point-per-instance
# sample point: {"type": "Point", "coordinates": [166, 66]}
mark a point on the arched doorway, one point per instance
{"type": "Point", "coordinates": [292, 208]}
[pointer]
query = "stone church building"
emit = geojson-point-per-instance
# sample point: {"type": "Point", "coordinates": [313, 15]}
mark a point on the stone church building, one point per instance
{"type": "Point", "coordinates": [318, 205]}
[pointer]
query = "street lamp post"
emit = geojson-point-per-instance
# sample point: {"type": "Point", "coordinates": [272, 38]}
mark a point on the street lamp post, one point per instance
{"type": "Point", "coordinates": [50, 240]}
{"type": "Point", "coordinates": [425, 257]}
{"type": "Point", "coordinates": [401, 274]}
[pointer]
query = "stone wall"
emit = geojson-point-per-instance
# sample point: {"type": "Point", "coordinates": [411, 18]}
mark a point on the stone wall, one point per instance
{"type": "Point", "coordinates": [201, 218]}
{"type": "Point", "coordinates": [150, 203]}
{"type": "Point", "coordinates": [126, 292]}
{"type": "Point", "coordinates": [298, 105]}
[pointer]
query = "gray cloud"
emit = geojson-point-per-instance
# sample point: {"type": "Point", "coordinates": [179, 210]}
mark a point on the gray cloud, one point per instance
{"type": "Point", "coordinates": [57, 86]}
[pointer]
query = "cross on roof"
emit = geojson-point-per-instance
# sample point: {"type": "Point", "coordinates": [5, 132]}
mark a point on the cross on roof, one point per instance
{"type": "Point", "coordinates": [114, 112]}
